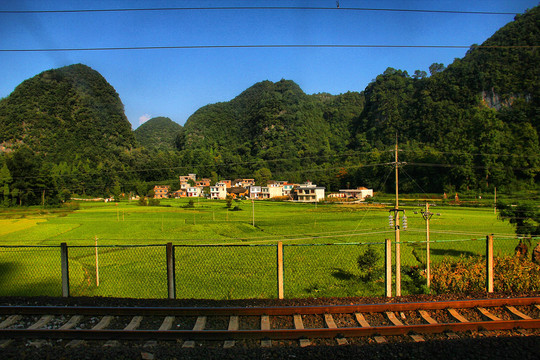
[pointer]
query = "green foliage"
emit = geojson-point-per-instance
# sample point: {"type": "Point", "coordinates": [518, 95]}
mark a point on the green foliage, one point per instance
{"type": "Point", "coordinates": [525, 216]}
{"type": "Point", "coordinates": [369, 264]}
{"type": "Point", "coordinates": [190, 204]}
{"type": "Point", "coordinates": [158, 133]}
{"type": "Point", "coordinates": [153, 202]}
{"type": "Point", "coordinates": [475, 122]}
{"type": "Point", "coordinates": [512, 274]}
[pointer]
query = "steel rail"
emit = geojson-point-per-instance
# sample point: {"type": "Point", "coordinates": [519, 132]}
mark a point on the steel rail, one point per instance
{"type": "Point", "coordinates": [288, 334]}
{"type": "Point", "coordinates": [279, 310]}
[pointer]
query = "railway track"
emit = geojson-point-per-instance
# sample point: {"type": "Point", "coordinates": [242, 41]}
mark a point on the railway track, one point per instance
{"type": "Point", "coordinates": [416, 320]}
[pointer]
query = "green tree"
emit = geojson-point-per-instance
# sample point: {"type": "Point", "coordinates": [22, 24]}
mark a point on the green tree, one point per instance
{"type": "Point", "coordinates": [525, 216]}
{"type": "Point", "coordinates": [262, 176]}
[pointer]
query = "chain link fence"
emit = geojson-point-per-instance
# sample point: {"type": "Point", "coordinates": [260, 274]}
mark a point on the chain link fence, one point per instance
{"type": "Point", "coordinates": [225, 271]}
{"type": "Point", "coordinates": [30, 271]}
{"type": "Point", "coordinates": [343, 269]}
{"type": "Point", "coordinates": [252, 271]}
{"type": "Point", "coordinates": [123, 271]}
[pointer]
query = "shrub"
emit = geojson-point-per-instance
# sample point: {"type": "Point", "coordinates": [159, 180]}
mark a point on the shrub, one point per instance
{"type": "Point", "coordinates": [153, 202]}
{"type": "Point", "coordinates": [368, 263]}
{"type": "Point", "coordinates": [511, 274]}
{"type": "Point", "coordinates": [190, 204]}
{"type": "Point", "coordinates": [142, 201]}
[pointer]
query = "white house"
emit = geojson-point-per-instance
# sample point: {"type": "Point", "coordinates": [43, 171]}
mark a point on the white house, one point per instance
{"type": "Point", "coordinates": [255, 192]}
{"type": "Point", "coordinates": [219, 191]}
{"type": "Point", "coordinates": [360, 193]}
{"type": "Point", "coordinates": [194, 191]}
{"type": "Point", "coordinates": [310, 193]}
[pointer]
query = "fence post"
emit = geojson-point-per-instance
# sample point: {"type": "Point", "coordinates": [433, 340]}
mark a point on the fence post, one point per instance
{"type": "Point", "coordinates": [489, 263]}
{"type": "Point", "coordinates": [388, 267]}
{"type": "Point", "coordinates": [280, 269]}
{"type": "Point", "coordinates": [65, 269]}
{"type": "Point", "coordinates": [171, 283]}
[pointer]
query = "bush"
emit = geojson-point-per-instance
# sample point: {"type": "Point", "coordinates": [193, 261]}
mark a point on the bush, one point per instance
{"type": "Point", "coordinates": [153, 202]}
{"type": "Point", "coordinates": [142, 201]}
{"type": "Point", "coordinates": [190, 204]}
{"type": "Point", "coordinates": [511, 274]}
{"type": "Point", "coordinates": [368, 264]}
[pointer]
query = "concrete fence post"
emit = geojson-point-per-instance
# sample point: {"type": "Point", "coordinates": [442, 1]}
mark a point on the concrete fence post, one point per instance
{"type": "Point", "coordinates": [489, 263]}
{"type": "Point", "coordinates": [65, 269]}
{"type": "Point", "coordinates": [171, 276]}
{"type": "Point", "coordinates": [388, 267]}
{"type": "Point", "coordinates": [280, 269]}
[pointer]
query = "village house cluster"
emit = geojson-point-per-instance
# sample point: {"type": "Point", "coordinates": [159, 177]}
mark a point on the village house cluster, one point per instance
{"type": "Point", "coordinates": [190, 186]}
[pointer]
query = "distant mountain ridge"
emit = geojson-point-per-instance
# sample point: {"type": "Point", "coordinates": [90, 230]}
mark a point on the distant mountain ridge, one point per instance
{"type": "Point", "coordinates": [158, 133]}
{"type": "Point", "coordinates": [472, 125]}
{"type": "Point", "coordinates": [66, 112]}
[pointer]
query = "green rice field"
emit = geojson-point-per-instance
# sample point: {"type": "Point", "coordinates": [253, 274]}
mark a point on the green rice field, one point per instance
{"type": "Point", "coordinates": [227, 254]}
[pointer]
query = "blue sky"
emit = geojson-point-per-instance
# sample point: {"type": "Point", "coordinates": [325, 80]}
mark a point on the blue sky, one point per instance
{"type": "Point", "coordinates": [176, 82]}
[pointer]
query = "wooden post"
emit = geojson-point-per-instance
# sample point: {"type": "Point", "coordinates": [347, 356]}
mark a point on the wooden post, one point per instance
{"type": "Point", "coordinates": [388, 267]}
{"type": "Point", "coordinates": [97, 264]}
{"type": "Point", "coordinates": [489, 263]}
{"type": "Point", "coordinates": [252, 213]}
{"type": "Point", "coordinates": [171, 282]}
{"type": "Point", "coordinates": [280, 269]}
{"type": "Point", "coordinates": [495, 202]}
{"type": "Point", "coordinates": [65, 269]}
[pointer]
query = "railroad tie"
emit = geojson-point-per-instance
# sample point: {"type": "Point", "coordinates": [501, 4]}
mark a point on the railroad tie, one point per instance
{"type": "Point", "coordinates": [488, 315]}
{"type": "Point", "coordinates": [44, 320]}
{"type": "Point", "coordinates": [165, 325]}
{"type": "Point", "coordinates": [332, 325]}
{"type": "Point", "coordinates": [521, 316]}
{"type": "Point", "coordinates": [363, 322]}
{"type": "Point", "coordinates": [71, 323]}
{"type": "Point", "coordinates": [233, 326]}
{"type": "Point", "coordinates": [199, 326]}
{"type": "Point", "coordinates": [265, 325]}
{"type": "Point", "coordinates": [299, 324]}
{"type": "Point", "coordinates": [133, 325]}
{"type": "Point", "coordinates": [459, 318]}
{"type": "Point", "coordinates": [518, 313]}
{"type": "Point", "coordinates": [392, 317]}
{"type": "Point", "coordinates": [12, 319]}
{"type": "Point", "coordinates": [425, 315]}
{"type": "Point", "coordinates": [102, 324]}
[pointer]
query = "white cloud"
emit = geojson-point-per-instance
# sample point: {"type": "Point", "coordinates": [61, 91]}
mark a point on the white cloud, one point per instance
{"type": "Point", "coordinates": [144, 118]}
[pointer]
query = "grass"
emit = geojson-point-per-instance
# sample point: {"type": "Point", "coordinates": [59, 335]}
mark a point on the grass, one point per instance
{"type": "Point", "coordinates": [225, 271]}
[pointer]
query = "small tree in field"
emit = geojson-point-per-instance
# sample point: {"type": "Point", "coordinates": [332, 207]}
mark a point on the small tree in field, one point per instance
{"type": "Point", "coordinates": [367, 263]}
{"type": "Point", "coordinates": [229, 201]}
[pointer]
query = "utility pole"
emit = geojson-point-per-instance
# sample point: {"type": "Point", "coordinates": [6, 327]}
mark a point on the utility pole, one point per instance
{"type": "Point", "coordinates": [396, 215]}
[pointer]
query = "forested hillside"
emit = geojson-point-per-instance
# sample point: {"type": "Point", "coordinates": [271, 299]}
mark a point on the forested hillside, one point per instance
{"type": "Point", "coordinates": [158, 133]}
{"type": "Point", "coordinates": [65, 109]}
{"type": "Point", "coordinates": [473, 125]}
{"type": "Point", "coordinates": [470, 125]}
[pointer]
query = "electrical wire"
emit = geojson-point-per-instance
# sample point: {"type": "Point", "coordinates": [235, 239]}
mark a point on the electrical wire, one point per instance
{"type": "Point", "coordinates": [274, 46]}
{"type": "Point", "coordinates": [256, 8]}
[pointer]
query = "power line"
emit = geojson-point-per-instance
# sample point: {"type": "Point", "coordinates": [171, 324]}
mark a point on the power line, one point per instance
{"type": "Point", "coordinates": [275, 46]}
{"type": "Point", "coordinates": [257, 8]}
